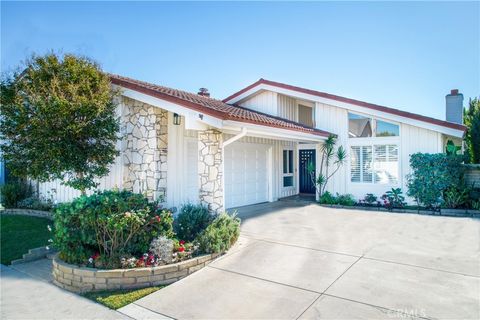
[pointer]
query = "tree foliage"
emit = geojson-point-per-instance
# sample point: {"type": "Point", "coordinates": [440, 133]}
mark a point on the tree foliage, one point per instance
{"type": "Point", "coordinates": [58, 120]}
{"type": "Point", "coordinates": [433, 175]}
{"type": "Point", "coordinates": [331, 160]}
{"type": "Point", "coordinates": [472, 138]}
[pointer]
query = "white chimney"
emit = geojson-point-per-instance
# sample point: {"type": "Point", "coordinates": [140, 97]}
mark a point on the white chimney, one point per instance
{"type": "Point", "coordinates": [454, 107]}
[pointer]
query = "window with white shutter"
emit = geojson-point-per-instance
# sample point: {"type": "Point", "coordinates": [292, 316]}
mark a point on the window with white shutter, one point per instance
{"type": "Point", "coordinates": [374, 164]}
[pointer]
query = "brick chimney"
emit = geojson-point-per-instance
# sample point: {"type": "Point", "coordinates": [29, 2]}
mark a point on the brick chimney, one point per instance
{"type": "Point", "coordinates": [454, 107]}
{"type": "Point", "coordinates": [203, 92]}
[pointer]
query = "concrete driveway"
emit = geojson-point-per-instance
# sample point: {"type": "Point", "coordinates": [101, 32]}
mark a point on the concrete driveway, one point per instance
{"type": "Point", "coordinates": [302, 261]}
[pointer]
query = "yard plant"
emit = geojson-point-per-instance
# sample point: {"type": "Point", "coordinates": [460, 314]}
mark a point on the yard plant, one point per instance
{"type": "Point", "coordinates": [122, 229]}
{"type": "Point", "coordinates": [332, 159]}
{"type": "Point", "coordinates": [433, 176]}
{"type": "Point", "coordinates": [58, 120]}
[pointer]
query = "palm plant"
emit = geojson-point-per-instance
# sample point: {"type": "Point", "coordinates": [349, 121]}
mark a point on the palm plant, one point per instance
{"type": "Point", "coordinates": [331, 159]}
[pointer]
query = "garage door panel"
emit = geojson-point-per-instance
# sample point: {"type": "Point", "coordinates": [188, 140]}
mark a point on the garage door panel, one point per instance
{"type": "Point", "coordinates": [246, 179]}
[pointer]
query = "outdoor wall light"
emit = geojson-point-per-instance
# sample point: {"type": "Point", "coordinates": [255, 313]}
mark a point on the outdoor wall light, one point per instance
{"type": "Point", "coordinates": [176, 119]}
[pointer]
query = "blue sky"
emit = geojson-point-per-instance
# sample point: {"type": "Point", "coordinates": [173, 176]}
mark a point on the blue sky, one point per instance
{"type": "Point", "coordinates": [404, 55]}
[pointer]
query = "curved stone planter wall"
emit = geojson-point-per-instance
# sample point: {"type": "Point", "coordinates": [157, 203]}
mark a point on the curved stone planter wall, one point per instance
{"type": "Point", "coordinates": [28, 212]}
{"type": "Point", "coordinates": [80, 279]}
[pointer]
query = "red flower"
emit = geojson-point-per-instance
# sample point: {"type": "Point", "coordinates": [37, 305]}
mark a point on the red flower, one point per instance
{"type": "Point", "coordinates": [181, 249]}
{"type": "Point", "coordinates": [182, 242]}
{"type": "Point", "coordinates": [95, 256]}
{"type": "Point", "coordinates": [158, 218]}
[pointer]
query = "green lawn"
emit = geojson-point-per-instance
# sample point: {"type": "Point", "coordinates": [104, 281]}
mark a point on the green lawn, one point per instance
{"type": "Point", "coordinates": [117, 299]}
{"type": "Point", "coordinates": [20, 233]}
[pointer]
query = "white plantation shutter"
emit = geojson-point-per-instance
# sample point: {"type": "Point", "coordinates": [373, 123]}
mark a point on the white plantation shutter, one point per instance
{"type": "Point", "coordinates": [367, 172]}
{"type": "Point", "coordinates": [355, 164]}
{"type": "Point", "coordinates": [374, 164]}
{"type": "Point", "coordinates": [386, 164]}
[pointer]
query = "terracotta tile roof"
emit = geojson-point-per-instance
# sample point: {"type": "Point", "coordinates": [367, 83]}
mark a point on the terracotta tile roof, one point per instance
{"type": "Point", "coordinates": [213, 107]}
{"type": "Point", "coordinates": [351, 101]}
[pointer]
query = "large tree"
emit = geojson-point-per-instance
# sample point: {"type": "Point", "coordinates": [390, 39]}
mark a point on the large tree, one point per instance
{"type": "Point", "coordinates": [58, 120]}
{"type": "Point", "coordinates": [472, 138]}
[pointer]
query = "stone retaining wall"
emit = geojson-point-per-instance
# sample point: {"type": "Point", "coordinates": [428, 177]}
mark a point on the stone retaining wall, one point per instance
{"type": "Point", "coordinates": [28, 212]}
{"type": "Point", "coordinates": [472, 175]}
{"type": "Point", "coordinates": [80, 279]}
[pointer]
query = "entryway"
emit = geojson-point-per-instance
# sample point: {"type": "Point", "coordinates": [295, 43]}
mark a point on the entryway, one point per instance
{"type": "Point", "coordinates": [306, 159]}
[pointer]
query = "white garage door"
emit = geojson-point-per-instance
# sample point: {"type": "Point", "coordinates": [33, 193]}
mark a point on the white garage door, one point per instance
{"type": "Point", "coordinates": [246, 174]}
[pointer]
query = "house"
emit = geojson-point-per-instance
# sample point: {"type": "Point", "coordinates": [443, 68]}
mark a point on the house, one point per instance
{"type": "Point", "coordinates": [255, 145]}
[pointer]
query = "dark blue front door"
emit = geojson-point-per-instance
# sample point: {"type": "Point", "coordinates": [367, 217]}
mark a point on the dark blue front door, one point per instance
{"type": "Point", "coordinates": [306, 156]}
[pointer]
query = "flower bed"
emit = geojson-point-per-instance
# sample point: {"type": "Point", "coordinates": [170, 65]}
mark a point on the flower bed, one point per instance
{"type": "Point", "coordinates": [82, 279]}
{"type": "Point", "coordinates": [120, 240]}
{"type": "Point", "coordinates": [442, 212]}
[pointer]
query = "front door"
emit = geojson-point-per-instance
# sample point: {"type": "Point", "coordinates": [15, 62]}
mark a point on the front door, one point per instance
{"type": "Point", "coordinates": [307, 157]}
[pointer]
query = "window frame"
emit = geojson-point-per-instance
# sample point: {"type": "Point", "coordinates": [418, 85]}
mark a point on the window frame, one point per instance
{"type": "Point", "coordinates": [291, 162]}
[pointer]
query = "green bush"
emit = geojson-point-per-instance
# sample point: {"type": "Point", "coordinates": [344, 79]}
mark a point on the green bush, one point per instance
{"type": "Point", "coordinates": [191, 221]}
{"type": "Point", "coordinates": [220, 235]}
{"type": "Point", "coordinates": [13, 192]}
{"type": "Point", "coordinates": [110, 223]}
{"type": "Point", "coordinates": [394, 199]}
{"type": "Point", "coordinates": [432, 176]}
{"type": "Point", "coordinates": [327, 198]}
{"type": "Point", "coordinates": [35, 203]}
{"type": "Point", "coordinates": [345, 200]}
{"type": "Point", "coordinates": [455, 197]}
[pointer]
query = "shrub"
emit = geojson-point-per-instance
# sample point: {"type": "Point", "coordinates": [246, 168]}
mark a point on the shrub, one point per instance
{"type": "Point", "coordinates": [35, 203]}
{"type": "Point", "coordinates": [14, 191]}
{"type": "Point", "coordinates": [162, 247]}
{"type": "Point", "coordinates": [110, 223]}
{"type": "Point", "coordinates": [393, 199]}
{"type": "Point", "coordinates": [345, 200]}
{"type": "Point", "coordinates": [370, 199]}
{"type": "Point", "coordinates": [455, 197]}
{"type": "Point", "coordinates": [327, 198]}
{"type": "Point", "coordinates": [432, 175]}
{"type": "Point", "coordinates": [191, 221]}
{"type": "Point", "coordinates": [220, 235]}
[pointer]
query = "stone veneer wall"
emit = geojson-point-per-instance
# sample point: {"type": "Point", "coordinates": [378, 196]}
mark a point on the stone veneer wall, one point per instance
{"type": "Point", "coordinates": [145, 148]}
{"type": "Point", "coordinates": [79, 279]}
{"type": "Point", "coordinates": [210, 169]}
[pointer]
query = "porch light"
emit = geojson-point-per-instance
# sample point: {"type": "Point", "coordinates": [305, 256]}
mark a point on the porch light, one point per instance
{"type": "Point", "coordinates": [176, 119]}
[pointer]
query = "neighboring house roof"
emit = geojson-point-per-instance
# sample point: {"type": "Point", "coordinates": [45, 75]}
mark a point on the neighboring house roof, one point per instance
{"type": "Point", "coordinates": [350, 101]}
{"type": "Point", "coordinates": [213, 107]}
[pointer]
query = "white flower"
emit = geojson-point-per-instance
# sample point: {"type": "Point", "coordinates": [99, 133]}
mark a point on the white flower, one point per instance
{"type": "Point", "coordinates": [47, 247]}
{"type": "Point", "coordinates": [49, 228]}
{"type": "Point", "coordinates": [50, 240]}
{"type": "Point", "coordinates": [90, 260]}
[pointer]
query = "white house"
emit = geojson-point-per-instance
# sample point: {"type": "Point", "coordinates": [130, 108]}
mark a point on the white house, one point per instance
{"type": "Point", "coordinates": [254, 146]}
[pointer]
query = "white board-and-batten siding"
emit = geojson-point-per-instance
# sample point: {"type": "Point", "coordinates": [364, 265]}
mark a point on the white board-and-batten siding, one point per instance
{"type": "Point", "coordinates": [265, 101]}
{"type": "Point", "coordinates": [58, 192]}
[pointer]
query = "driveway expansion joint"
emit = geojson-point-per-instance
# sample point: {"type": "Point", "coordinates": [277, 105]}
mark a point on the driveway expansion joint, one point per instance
{"type": "Point", "coordinates": [162, 314]}
{"type": "Point", "coordinates": [262, 279]}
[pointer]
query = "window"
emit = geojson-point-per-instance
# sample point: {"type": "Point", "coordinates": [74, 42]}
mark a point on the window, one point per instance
{"type": "Point", "coordinates": [305, 115]}
{"type": "Point", "coordinates": [288, 168]}
{"type": "Point", "coordinates": [359, 126]}
{"type": "Point", "coordinates": [386, 129]}
{"type": "Point", "coordinates": [363, 127]}
{"type": "Point", "coordinates": [374, 164]}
